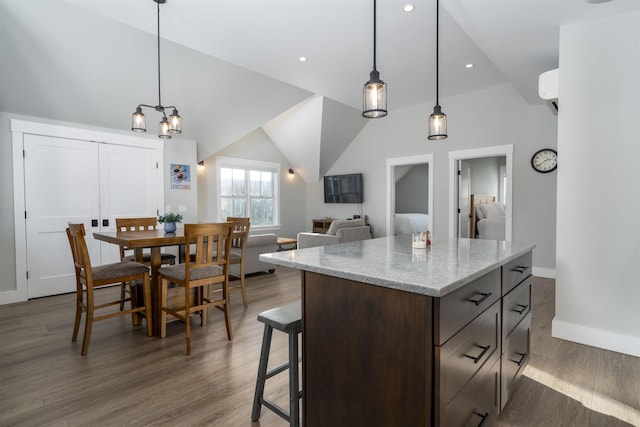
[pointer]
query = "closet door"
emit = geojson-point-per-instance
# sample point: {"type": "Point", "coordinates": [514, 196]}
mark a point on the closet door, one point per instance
{"type": "Point", "coordinates": [129, 185]}
{"type": "Point", "coordinates": [70, 180]}
{"type": "Point", "coordinates": [61, 186]}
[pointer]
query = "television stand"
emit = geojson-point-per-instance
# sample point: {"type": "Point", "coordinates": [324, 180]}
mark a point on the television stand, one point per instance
{"type": "Point", "coordinates": [321, 225]}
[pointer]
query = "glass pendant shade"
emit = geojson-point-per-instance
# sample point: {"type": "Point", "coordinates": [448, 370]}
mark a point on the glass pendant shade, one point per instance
{"type": "Point", "coordinates": [163, 129]}
{"type": "Point", "coordinates": [437, 124]}
{"type": "Point", "coordinates": [138, 121]}
{"type": "Point", "coordinates": [374, 97]}
{"type": "Point", "coordinates": [175, 122]}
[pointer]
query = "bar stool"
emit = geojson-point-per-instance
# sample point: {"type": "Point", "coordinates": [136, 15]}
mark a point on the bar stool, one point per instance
{"type": "Point", "coordinates": [287, 319]}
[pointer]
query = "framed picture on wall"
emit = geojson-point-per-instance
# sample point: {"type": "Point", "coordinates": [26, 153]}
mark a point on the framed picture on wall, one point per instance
{"type": "Point", "coordinates": [180, 177]}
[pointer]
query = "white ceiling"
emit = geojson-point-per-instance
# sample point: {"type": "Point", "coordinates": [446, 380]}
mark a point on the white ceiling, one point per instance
{"type": "Point", "coordinates": [241, 66]}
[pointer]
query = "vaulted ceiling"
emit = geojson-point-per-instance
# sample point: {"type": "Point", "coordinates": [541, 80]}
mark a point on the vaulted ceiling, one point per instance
{"type": "Point", "coordinates": [232, 66]}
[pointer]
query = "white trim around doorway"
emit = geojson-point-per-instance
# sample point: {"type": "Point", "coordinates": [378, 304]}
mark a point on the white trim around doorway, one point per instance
{"type": "Point", "coordinates": [500, 150]}
{"type": "Point", "coordinates": [391, 201]}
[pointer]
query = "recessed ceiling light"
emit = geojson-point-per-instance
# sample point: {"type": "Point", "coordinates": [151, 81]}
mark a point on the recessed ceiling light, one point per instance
{"type": "Point", "coordinates": [408, 7]}
{"type": "Point", "coordinates": [468, 65]}
{"type": "Point", "coordinates": [302, 59]}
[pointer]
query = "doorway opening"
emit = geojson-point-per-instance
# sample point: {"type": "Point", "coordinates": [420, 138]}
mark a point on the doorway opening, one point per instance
{"type": "Point", "coordinates": [410, 188]}
{"type": "Point", "coordinates": [495, 163]}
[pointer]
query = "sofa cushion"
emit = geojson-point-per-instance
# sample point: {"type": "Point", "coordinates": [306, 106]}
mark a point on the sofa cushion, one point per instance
{"type": "Point", "coordinates": [343, 223]}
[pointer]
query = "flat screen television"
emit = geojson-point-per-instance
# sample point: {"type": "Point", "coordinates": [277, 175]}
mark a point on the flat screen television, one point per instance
{"type": "Point", "coordinates": [343, 188]}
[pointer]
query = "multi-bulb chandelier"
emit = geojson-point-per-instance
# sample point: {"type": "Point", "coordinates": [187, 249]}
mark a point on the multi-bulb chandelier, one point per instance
{"type": "Point", "coordinates": [167, 126]}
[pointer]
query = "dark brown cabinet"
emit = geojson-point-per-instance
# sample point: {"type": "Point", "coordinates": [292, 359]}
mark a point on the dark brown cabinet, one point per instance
{"type": "Point", "coordinates": [376, 356]}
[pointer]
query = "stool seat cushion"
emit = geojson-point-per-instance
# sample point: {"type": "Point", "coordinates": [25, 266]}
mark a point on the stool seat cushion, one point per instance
{"type": "Point", "coordinates": [179, 272]}
{"type": "Point", "coordinates": [118, 269]}
{"type": "Point", "coordinates": [286, 318]}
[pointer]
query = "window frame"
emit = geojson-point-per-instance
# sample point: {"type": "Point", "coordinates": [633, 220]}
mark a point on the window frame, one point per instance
{"type": "Point", "coordinates": [249, 165]}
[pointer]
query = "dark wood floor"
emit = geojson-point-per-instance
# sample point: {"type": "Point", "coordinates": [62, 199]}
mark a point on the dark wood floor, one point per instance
{"type": "Point", "coordinates": [129, 379]}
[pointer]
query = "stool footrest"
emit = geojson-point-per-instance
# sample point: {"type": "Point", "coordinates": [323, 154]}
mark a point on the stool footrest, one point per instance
{"type": "Point", "coordinates": [276, 371]}
{"type": "Point", "coordinates": [275, 408]}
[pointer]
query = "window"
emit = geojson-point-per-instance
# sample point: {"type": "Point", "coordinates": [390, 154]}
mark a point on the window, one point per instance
{"type": "Point", "coordinates": [249, 188]}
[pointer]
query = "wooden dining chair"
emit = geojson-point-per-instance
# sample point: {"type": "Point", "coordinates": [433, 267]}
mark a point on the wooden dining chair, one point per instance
{"type": "Point", "coordinates": [238, 250]}
{"type": "Point", "coordinates": [208, 266]}
{"type": "Point", "coordinates": [136, 224]}
{"type": "Point", "coordinates": [89, 278]}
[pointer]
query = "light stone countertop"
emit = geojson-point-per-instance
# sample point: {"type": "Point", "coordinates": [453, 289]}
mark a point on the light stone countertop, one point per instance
{"type": "Point", "coordinates": [391, 262]}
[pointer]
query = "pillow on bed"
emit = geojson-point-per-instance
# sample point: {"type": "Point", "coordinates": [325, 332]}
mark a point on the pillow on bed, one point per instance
{"type": "Point", "coordinates": [492, 209]}
{"type": "Point", "coordinates": [479, 213]}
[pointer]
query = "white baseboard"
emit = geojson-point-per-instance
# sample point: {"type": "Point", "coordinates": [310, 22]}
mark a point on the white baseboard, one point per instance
{"type": "Point", "coordinates": [549, 273]}
{"type": "Point", "coordinates": [10, 297]}
{"type": "Point", "coordinates": [627, 344]}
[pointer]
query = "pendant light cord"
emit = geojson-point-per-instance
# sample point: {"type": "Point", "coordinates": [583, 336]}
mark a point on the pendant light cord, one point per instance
{"type": "Point", "coordinates": [159, 97]}
{"type": "Point", "coordinates": [437, 49]}
{"type": "Point", "coordinates": [374, 35]}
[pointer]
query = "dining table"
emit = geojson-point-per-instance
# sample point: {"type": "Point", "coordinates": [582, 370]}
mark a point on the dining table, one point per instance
{"type": "Point", "coordinates": [154, 240]}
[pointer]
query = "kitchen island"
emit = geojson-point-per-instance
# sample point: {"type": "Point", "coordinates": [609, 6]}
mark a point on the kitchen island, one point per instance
{"type": "Point", "coordinates": [395, 336]}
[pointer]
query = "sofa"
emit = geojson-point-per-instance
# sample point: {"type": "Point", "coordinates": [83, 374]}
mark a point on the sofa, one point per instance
{"type": "Point", "coordinates": [256, 244]}
{"type": "Point", "coordinates": [340, 231]}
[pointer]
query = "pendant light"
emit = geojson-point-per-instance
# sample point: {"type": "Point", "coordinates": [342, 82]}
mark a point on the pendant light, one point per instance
{"type": "Point", "coordinates": [374, 95]}
{"type": "Point", "coordinates": [169, 126]}
{"type": "Point", "coordinates": [437, 120]}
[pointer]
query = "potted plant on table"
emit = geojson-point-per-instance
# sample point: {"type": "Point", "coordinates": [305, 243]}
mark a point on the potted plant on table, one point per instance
{"type": "Point", "coordinates": [169, 220]}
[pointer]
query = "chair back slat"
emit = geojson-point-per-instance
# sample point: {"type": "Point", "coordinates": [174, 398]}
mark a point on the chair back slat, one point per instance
{"type": "Point", "coordinates": [135, 224]}
{"type": "Point", "coordinates": [79, 250]}
{"type": "Point", "coordinates": [240, 231]}
{"type": "Point", "coordinates": [211, 243]}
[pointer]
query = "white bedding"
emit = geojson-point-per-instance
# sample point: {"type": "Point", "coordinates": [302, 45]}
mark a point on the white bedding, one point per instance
{"type": "Point", "coordinates": [409, 223]}
{"type": "Point", "coordinates": [492, 228]}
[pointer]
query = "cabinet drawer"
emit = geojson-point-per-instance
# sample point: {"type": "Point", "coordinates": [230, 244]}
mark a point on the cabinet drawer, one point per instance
{"type": "Point", "coordinates": [466, 352]}
{"type": "Point", "coordinates": [515, 306]}
{"type": "Point", "coordinates": [452, 312]}
{"type": "Point", "coordinates": [516, 355]}
{"type": "Point", "coordinates": [478, 402]}
{"type": "Point", "coordinates": [516, 271]}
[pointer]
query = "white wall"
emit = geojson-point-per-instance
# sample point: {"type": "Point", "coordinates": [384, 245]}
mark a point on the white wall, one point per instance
{"type": "Point", "coordinates": [257, 146]}
{"type": "Point", "coordinates": [485, 175]}
{"type": "Point", "coordinates": [7, 247]}
{"type": "Point", "coordinates": [598, 249]}
{"type": "Point", "coordinates": [412, 190]}
{"type": "Point", "coordinates": [181, 152]}
{"type": "Point", "coordinates": [403, 133]}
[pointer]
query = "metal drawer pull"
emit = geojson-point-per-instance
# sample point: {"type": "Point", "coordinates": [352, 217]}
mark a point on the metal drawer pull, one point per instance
{"type": "Point", "coordinates": [520, 269]}
{"type": "Point", "coordinates": [478, 301]}
{"type": "Point", "coordinates": [484, 351]}
{"type": "Point", "coordinates": [522, 308]}
{"type": "Point", "coordinates": [522, 357]}
{"type": "Point", "coordinates": [484, 417]}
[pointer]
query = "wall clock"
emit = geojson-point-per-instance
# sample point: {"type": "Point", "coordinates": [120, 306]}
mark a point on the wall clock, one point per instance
{"type": "Point", "coordinates": [545, 160]}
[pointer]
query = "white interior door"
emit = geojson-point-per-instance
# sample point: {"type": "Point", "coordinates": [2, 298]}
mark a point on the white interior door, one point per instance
{"type": "Point", "coordinates": [70, 180]}
{"type": "Point", "coordinates": [130, 181]}
{"type": "Point", "coordinates": [61, 186]}
{"type": "Point", "coordinates": [464, 197]}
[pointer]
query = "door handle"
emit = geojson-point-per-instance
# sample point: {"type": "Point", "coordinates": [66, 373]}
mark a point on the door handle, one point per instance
{"type": "Point", "coordinates": [94, 222]}
{"type": "Point", "coordinates": [105, 222]}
